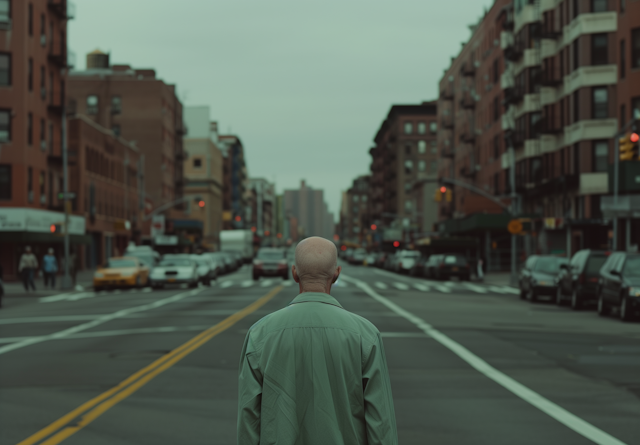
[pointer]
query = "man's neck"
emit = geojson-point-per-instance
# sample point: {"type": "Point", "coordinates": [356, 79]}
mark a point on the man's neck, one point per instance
{"type": "Point", "coordinates": [315, 289]}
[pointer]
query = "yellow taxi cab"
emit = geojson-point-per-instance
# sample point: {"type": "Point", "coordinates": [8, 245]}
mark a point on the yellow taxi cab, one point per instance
{"type": "Point", "coordinates": [121, 272]}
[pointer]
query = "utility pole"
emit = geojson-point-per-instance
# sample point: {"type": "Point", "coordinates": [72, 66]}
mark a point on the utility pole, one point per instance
{"type": "Point", "coordinates": [66, 280]}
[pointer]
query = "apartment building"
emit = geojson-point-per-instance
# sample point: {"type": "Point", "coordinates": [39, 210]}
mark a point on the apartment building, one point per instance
{"type": "Point", "coordinates": [139, 107]}
{"type": "Point", "coordinates": [405, 159]}
{"type": "Point", "coordinates": [262, 207]}
{"type": "Point", "coordinates": [235, 183]}
{"type": "Point", "coordinates": [312, 217]}
{"type": "Point", "coordinates": [203, 173]}
{"type": "Point", "coordinates": [356, 220]}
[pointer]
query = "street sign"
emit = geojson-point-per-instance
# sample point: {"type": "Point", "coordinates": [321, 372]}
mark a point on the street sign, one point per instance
{"type": "Point", "coordinates": [68, 195]}
{"type": "Point", "coordinates": [515, 226]}
{"type": "Point", "coordinates": [157, 225]}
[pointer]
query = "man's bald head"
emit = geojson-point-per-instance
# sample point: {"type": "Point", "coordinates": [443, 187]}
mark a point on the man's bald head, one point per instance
{"type": "Point", "coordinates": [316, 262]}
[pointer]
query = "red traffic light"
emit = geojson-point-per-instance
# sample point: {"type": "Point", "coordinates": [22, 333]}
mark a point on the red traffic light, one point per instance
{"type": "Point", "coordinates": [373, 227]}
{"type": "Point", "coordinates": [52, 228]}
{"type": "Point", "coordinates": [443, 189]}
{"type": "Point", "coordinates": [238, 218]}
{"type": "Point", "coordinates": [201, 204]}
{"type": "Point", "coordinates": [634, 137]}
{"type": "Point", "coordinates": [396, 244]}
{"type": "Point", "coordinates": [253, 229]}
{"type": "Point", "coordinates": [343, 248]}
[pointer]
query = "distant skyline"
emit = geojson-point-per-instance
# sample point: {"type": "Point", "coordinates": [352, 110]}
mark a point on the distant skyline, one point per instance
{"type": "Point", "coordinates": [305, 86]}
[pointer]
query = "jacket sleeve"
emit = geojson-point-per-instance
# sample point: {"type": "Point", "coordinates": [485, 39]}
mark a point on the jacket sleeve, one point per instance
{"type": "Point", "coordinates": [378, 401]}
{"type": "Point", "coordinates": [249, 395]}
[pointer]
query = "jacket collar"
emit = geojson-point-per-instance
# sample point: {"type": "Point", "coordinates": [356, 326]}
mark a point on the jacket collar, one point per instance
{"type": "Point", "coordinates": [316, 297]}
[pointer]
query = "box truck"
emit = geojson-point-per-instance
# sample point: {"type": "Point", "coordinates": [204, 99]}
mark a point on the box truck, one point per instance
{"type": "Point", "coordinates": [238, 240]}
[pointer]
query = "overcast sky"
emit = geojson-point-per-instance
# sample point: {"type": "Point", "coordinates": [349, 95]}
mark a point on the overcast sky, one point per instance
{"type": "Point", "coordinates": [305, 85]}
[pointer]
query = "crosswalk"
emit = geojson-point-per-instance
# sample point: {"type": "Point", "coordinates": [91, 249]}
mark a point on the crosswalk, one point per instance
{"type": "Point", "coordinates": [424, 286]}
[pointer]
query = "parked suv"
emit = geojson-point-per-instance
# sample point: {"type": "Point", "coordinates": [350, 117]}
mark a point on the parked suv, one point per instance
{"type": "Point", "coordinates": [578, 280]}
{"type": "Point", "coordinates": [538, 276]}
{"type": "Point", "coordinates": [619, 285]}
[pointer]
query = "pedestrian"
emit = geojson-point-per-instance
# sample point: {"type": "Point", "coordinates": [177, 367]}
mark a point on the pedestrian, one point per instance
{"type": "Point", "coordinates": [50, 269]}
{"type": "Point", "coordinates": [314, 373]}
{"type": "Point", "coordinates": [480, 269]}
{"type": "Point", "coordinates": [27, 267]}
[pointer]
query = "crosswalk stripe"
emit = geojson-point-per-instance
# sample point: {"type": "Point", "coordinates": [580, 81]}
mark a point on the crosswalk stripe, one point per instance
{"type": "Point", "coordinates": [511, 290]}
{"type": "Point", "coordinates": [401, 286]}
{"type": "Point", "coordinates": [247, 283]}
{"type": "Point", "coordinates": [380, 285]}
{"type": "Point", "coordinates": [441, 288]}
{"type": "Point", "coordinates": [52, 298]}
{"type": "Point", "coordinates": [147, 289]}
{"type": "Point", "coordinates": [421, 287]}
{"type": "Point", "coordinates": [226, 284]}
{"type": "Point", "coordinates": [81, 295]}
{"type": "Point", "coordinates": [475, 288]}
{"type": "Point", "coordinates": [266, 283]}
{"type": "Point", "coordinates": [497, 289]}
{"type": "Point", "coordinates": [287, 283]}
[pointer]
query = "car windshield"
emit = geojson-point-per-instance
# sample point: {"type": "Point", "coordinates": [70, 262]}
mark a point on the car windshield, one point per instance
{"type": "Point", "coordinates": [148, 260]}
{"type": "Point", "coordinates": [121, 263]}
{"type": "Point", "coordinates": [550, 265]}
{"type": "Point", "coordinates": [632, 267]}
{"type": "Point", "coordinates": [594, 264]}
{"type": "Point", "coordinates": [454, 259]}
{"type": "Point", "coordinates": [200, 261]}
{"type": "Point", "coordinates": [270, 255]}
{"type": "Point", "coordinates": [175, 262]}
{"type": "Point", "coordinates": [411, 254]}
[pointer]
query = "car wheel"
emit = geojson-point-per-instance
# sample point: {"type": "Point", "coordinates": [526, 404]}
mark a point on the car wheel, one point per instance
{"type": "Point", "coordinates": [559, 297]}
{"type": "Point", "coordinates": [603, 308]}
{"type": "Point", "coordinates": [531, 296]}
{"type": "Point", "coordinates": [625, 313]}
{"type": "Point", "coordinates": [576, 304]}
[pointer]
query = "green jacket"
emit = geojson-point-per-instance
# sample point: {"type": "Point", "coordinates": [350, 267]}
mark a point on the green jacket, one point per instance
{"type": "Point", "coordinates": [314, 373]}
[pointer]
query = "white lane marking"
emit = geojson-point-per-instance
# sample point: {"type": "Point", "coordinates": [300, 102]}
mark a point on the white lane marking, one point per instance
{"type": "Point", "coordinates": [287, 283]}
{"type": "Point", "coordinates": [380, 285]}
{"type": "Point", "coordinates": [226, 284]}
{"type": "Point", "coordinates": [475, 288]}
{"type": "Point", "coordinates": [147, 289]}
{"type": "Point", "coordinates": [117, 291]}
{"type": "Point", "coordinates": [421, 287]}
{"type": "Point", "coordinates": [400, 286]}
{"type": "Point", "coordinates": [247, 283]}
{"type": "Point", "coordinates": [48, 319]}
{"type": "Point", "coordinates": [98, 321]}
{"type": "Point", "coordinates": [511, 290]}
{"type": "Point", "coordinates": [133, 291]}
{"type": "Point", "coordinates": [102, 292]}
{"type": "Point", "coordinates": [441, 288]}
{"type": "Point", "coordinates": [81, 295]}
{"type": "Point", "coordinates": [266, 283]}
{"type": "Point", "coordinates": [53, 298]}
{"type": "Point", "coordinates": [563, 416]}
{"type": "Point", "coordinates": [449, 283]}
{"type": "Point", "coordinates": [497, 289]}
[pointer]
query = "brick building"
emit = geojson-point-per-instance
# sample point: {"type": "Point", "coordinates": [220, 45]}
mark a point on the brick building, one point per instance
{"type": "Point", "coordinates": [235, 183]}
{"type": "Point", "coordinates": [356, 221]}
{"type": "Point", "coordinates": [404, 157]}
{"type": "Point", "coordinates": [262, 205]}
{"type": "Point", "coordinates": [141, 108]}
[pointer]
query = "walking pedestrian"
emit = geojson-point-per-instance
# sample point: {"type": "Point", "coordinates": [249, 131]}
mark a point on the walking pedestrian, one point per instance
{"type": "Point", "coordinates": [480, 269]}
{"type": "Point", "coordinates": [50, 269]}
{"type": "Point", "coordinates": [314, 373]}
{"type": "Point", "coordinates": [27, 267]}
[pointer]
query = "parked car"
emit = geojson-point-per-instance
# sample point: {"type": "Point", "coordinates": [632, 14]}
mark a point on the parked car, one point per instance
{"type": "Point", "coordinates": [121, 272]}
{"type": "Point", "coordinates": [148, 257]}
{"type": "Point", "coordinates": [347, 254]}
{"type": "Point", "coordinates": [619, 285]}
{"type": "Point", "coordinates": [270, 262]}
{"type": "Point", "coordinates": [380, 259]}
{"type": "Point", "coordinates": [206, 269]}
{"type": "Point", "coordinates": [432, 265]}
{"type": "Point", "coordinates": [389, 261]}
{"type": "Point", "coordinates": [538, 276]}
{"type": "Point", "coordinates": [370, 259]}
{"type": "Point", "coordinates": [419, 267]}
{"type": "Point", "coordinates": [405, 260]}
{"type": "Point", "coordinates": [174, 270]}
{"type": "Point", "coordinates": [578, 280]}
{"type": "Point", "coordinates": [358, 256]}
{"type": "Point", "coordinates": [224, 260]}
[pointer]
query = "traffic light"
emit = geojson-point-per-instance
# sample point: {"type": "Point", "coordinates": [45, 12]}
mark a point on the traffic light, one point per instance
{"type": "Point", "coordinates": [238, 218]}
{"type": "Point", "coordinates": [438, 196]}
{"type": "Point", "coordinates": [449, 195]}
{"type": "Point", "coordinates": [201, 204]}
{"type": "Point", "coordinates": [629, 147]}
{"type": "Point", "coordinates": [374, 227]}
{"type": "Point", "coordinates": [56, 229]}
{"type": "Point", "coordinates": [396, 244]}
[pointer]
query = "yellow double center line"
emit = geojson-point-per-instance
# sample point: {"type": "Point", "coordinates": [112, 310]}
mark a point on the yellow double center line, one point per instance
{"type": "Point", "coordinates": [80, 417]}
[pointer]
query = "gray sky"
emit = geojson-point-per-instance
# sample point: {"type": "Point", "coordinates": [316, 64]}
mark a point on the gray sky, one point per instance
{"type": "Point", "coordinates": [305, 85]}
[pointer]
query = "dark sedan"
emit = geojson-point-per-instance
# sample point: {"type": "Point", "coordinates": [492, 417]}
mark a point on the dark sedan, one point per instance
{"type": "Point", "coordinates": [619, 285]}
{"type": "Point", "coordinates": [538, 276]}
{"type": "Point", "coordinates": [270, 262]}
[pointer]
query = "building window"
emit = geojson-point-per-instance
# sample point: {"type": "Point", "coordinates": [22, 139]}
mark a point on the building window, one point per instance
{"type": "Point", "coordinates": [599, 49]}
{"type": "Point", "coordinates": [43, 135]}
{"type": "Point", "coordinates": [363, 198]}
{"type": "Point", "coordinates": [408, 166]}
{"type": "Point", "coordinates": [422, 166]}
{"type": "Point", "coordinates": [43, 195]}
{"type": "Point", "coordinates": [30, 184]}
{"type": "Point", "coordinates": [635, 48]}
{"type": "Point", "coordinates": [408, 128]}
{"type": "Point", "coordinates": [623, 6]}
{"type": "Point", "coordinates": [116, 129]}
{"type": "Point", "coordinates": [356, 198]}
{"type": "Point", "coordinates": [433, 127]}
{"type": "Point", "coordinates": [635, 107]}
{"type": "Point", "coordinates": [496, 72]}
{"type": "Point", "coordinates": [92, 104]}
{"type": "Point", "coordinates": [5, 182]}
{"type": "Point", "coordinates": [116, 104]}
{"type": "Point", "coordinates": [598, 5]}
{"type": "Point", "coordinates": [407, 149]}
{"type": "Point", "coordinates": [5, 69]}
{"type": "Point", "coordinates": [600, 156]}
{"type": "Point", "coordinates": [422, 128]}
{"type": "Point", "coordinates": [434, 148]}
{"type": "Point", "coordinates": [576, 58]}
{"type": "Point", "coordinates": [5, 125]}
{"type": "Point", "coordinates": [197, 163]}
{"type": "Point", "coordinates": [576, 158]}
{"type": "Point", "coordinates": [51, 137]}
{"type": "Point", "coordinates": [30, 18]}
{"type": "Point", "coordinates": [623, 60]}
{"type": "Point", "coordinates": [43, 83]}
{"type": "Point", "coordinates": [576, 106]}
{"type": "Point", "coordinates": [496, 147]}
{"type": "Point", "coordinates": [5, 11]}
{"type": "Point", "coordinates": [434, 167]}
{"type": "Point", "coordinates": [422, 147]}
{"type": "Point", "coordinates": [496, 108]}
{"type": "Point", "coordinates": [30, 74]}
{"type": "Point", "coordinates": [30, 128]}
{"type": "Point", "coordinates": [600, 107]}
{"type": "Point", "coordinates": [496, 184]}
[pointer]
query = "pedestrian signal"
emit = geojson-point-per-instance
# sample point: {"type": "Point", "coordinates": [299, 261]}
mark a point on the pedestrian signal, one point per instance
{"type": "Point", "coordinates": [449, 195]}
{"type": "Point", "coordinates": [629, 147]}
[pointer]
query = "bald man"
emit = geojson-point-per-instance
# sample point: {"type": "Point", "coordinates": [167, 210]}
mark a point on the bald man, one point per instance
{"type": "Point", "coordinates": [314, 373]}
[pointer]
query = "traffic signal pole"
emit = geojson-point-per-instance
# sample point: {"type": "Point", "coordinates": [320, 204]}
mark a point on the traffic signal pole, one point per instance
{"type": "Point", "coordinates": [514, 213]}
{"type": "Point", "coordinates": [66, 279]}
{"type": "Point", "coordinates": [616, 179]}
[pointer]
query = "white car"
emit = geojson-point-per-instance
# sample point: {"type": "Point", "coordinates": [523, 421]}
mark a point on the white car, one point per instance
{"type": "Point", "coordinates": [405, 260]}
{"type": "Point", "coordinates": [174, 271]}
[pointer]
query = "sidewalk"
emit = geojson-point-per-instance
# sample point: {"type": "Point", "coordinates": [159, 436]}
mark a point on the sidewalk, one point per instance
{"type": "Point", "coordinates": [497, 278]}
{"type": "Point", "coordinates": [83, 278]}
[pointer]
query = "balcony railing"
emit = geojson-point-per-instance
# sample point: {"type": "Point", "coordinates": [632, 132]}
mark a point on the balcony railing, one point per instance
{"type": "Point", "coordinates": [447, 93]}
{"type": "Point", "coordinates": [550, 77]}
{"type": "Point", "coordinates": [513, 95]}
{"type": "Point", "coordinates": [514, 50]}
{"type": "Point", "coordinates": [468, 69]}
{"type": "Point", "coordinates": [468, 136]}
{"type": "Point", "coordinates": [549, 126]}
{"type": "Point", "coordinates": [447, 122]}
{"type": "Point", "coordinates": [447, 152]}
{"type": "Point", "coordinates": [64, 9]}
{"type": "Point", "coordinates": [467, 101]}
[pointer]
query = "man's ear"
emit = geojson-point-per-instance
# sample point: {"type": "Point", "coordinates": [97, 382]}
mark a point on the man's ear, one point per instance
{"type": "Point", "coordinates": [294, 274]}
{"type": "Point", "coordinates": [336, 274]}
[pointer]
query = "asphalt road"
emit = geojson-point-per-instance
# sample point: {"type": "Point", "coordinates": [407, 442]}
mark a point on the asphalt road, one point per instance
{"type": "Point", "coordinates": [469, 363]}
